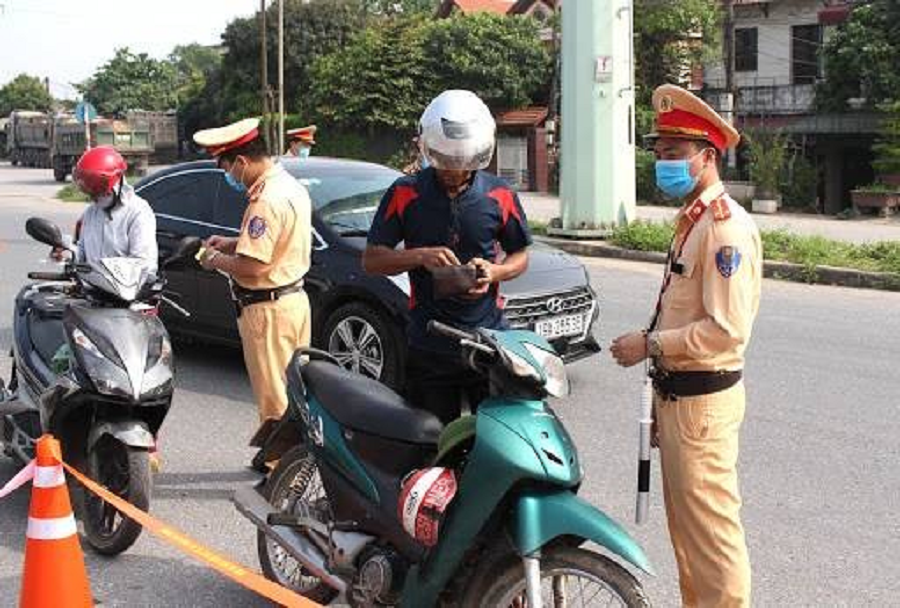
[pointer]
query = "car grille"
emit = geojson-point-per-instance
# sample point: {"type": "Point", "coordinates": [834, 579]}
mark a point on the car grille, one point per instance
{"type": "Point", "coordinates": [523, 313]}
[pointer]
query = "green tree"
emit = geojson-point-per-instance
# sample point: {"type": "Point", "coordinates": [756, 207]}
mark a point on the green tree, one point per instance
{"type": "Point", "coordinates": [399, 7]}
{"type": "Point", "coordinates": [24, 92]}
{"type": "Point", "coordinates": [862, 58]}
{"type": "Point", "coordinates": [310, 31]}
{"type": "Point", "coordinates": [380, 80]}
{"type": "Point", "coordinates": [671, 36]}
{"type": "Point", "coordinates": [500, 58]}
{"type": "Point", "coordinates": [131, 81]}
{"type": "Point", "coordinates": [389, 72]}
{"type": "Point", "coordinates": [199, 77]}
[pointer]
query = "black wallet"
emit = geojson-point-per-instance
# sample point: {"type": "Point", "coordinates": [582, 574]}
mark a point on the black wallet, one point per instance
{"type": "Point", "coordinates": [450, 281]}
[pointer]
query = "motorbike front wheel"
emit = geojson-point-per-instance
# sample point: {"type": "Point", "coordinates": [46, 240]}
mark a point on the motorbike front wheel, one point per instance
{"type": "Point", "coordinates": [570, 577]}
{"type": "Point", "coordinates": [125, 471]}
{"type": "Point", "coordinates": [293, 486]}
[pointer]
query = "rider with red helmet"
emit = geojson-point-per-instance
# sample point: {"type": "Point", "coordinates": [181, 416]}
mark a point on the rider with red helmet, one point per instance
{"type": "Point", "coordinates": [118, 223]}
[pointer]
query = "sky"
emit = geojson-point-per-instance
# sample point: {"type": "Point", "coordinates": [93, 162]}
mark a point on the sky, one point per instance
{"type": "Point", "coordinates": [67, 40]}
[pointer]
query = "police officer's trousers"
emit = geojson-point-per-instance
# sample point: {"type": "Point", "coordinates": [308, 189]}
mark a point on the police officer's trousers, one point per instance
{"type": "Point", "coordinates": [271, 332]}
{"type": "Point", "coordinates": [698, 442]}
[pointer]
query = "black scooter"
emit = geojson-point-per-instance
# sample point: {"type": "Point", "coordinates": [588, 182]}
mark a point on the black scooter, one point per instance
{"type": "Point", "coordinates": [92, 365]}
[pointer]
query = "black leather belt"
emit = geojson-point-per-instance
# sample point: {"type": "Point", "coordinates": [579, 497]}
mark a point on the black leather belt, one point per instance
{"type": "Point", "coordinates": [671, 385]}
{"type": "Point", "coordinates": [248, 297]}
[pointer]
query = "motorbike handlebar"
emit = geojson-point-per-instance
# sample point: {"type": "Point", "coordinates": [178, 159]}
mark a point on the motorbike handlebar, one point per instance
{"type": "Point", "coordinates": [438, 328]}
{"type": "Point", "coordinates": [48, 276]}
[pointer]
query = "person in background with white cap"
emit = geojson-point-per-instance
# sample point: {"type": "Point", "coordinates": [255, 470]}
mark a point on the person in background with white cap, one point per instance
{"type": "Point", "coordinates": [696, 342]}
{"type": "Point", "coordinates": [267, 262]}
{"type": "Point", "coordinates": [450, 215]}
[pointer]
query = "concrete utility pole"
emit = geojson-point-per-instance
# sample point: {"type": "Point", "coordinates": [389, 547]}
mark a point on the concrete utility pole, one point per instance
{"type": "Point", "coordinates": [264, 70]}
{"type": "Point", "coordinates": [280, 138]}
{"type": "Point", "coordinates": [728, 56]}
{"type": "Point", "coordinates": [597, 157]}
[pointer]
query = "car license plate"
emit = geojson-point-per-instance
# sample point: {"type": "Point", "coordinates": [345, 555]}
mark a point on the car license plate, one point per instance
{"type": "Point", "coordinates": [556, 327]}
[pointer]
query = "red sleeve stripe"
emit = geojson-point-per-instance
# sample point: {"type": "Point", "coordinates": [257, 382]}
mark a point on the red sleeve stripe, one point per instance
{"type": "Point", "coordinates": [507, 203]}
{"type": "Point", "coordinates": [402, 198]}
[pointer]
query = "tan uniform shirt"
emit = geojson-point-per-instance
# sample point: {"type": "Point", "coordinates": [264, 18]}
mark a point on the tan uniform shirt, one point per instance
{"type": "Point", "coordinates": [708, 308]}
{"type": "Point", "coordinates": [276, 230]}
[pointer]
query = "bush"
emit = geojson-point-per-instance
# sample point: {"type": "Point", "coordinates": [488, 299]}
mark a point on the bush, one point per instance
{"type": "Point", "coordinates": [643, 236]}
{"type": "Point", "coordinates": [645, 171]}
{"type": "Point", "coordinates": [767, 158]}
{"type": "Point", "coordinates": [800, 183]}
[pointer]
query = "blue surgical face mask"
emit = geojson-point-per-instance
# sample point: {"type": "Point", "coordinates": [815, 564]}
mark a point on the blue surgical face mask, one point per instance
{"type": "Point", "coordinates": [674, 177]}
{"type": "Point", "coordinates": [424, 162]}
{"type": "Point", "coordinates": [234, 183]}
{"type": "Point", "coordinates": [303, 152]}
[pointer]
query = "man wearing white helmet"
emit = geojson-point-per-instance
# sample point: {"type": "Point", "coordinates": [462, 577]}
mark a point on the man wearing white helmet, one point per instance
{"type": "Point", "coordinates": [460, 226]}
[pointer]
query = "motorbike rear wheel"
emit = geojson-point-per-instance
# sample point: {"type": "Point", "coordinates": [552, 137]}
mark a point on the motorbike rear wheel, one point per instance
{"type": "Point", "coordinates": [294, 480]}
{"type": "Point", "coordinates": [125, 471]}
{"type": "Point", "coordinates": [570, 577]}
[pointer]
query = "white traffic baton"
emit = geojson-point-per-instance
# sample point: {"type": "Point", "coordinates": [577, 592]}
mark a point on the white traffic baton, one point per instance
{"type": "Point", "coordinates": [646, 425]}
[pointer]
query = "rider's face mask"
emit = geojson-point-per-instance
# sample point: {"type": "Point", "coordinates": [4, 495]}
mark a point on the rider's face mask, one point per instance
{"type": "Point", "coordinates": [106, 201]}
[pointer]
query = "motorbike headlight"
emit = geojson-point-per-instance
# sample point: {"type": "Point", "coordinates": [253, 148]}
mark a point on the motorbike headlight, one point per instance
{"type": "Point", "coordinates": [105, 373]}
{"type": "Point", "coordinates": [521, 367]}
{"type": "Point", "coordinates": [557, 381]}
{"type": "Point", "coordinates": [160, 352]}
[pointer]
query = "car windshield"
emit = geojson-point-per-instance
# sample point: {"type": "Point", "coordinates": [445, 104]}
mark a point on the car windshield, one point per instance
{"type": "Point", "coordinates": [346, 198]}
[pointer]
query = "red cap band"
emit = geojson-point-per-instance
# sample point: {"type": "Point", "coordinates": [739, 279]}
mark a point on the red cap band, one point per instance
{"type": "Point", "coordinates": [678, 123]}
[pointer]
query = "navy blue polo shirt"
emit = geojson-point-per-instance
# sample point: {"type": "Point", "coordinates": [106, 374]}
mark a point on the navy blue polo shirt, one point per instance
{"type": "Point", "coordinates": [486, 218]}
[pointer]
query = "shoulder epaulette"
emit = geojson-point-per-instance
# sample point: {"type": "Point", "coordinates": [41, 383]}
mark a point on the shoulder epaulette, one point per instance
{"type": "Point", "coordinates": [720, 210]}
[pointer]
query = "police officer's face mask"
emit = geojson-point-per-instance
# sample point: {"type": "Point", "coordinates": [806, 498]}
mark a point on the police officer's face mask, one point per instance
{"type": "Point", "coordinates": [674, 177]}
{"type": "Point", "coordinates": [236, 183]}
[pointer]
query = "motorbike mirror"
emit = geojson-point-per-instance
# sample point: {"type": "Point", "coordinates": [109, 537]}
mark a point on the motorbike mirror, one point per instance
{"type": "Point", "coordinates": [44, 231]}
{"type": "Point", "coordinates": [186, 249]}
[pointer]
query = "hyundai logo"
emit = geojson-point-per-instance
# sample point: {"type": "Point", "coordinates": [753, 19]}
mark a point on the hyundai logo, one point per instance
{"type": "Point", "coordinates": [555, 305]}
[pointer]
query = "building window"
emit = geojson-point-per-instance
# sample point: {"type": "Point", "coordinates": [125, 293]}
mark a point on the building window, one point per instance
{"type": "Point", "coordinates": [746, 46]}
{"type": "Point", "coordinates": [806, 65]}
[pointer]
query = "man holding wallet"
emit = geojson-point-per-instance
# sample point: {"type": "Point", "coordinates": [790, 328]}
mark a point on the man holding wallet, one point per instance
{"type": "Point", "coordinates": [464, 232]}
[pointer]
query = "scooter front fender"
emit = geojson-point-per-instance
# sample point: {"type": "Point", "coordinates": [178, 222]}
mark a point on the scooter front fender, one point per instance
{"type": "Point", "coordinates": [133, 433]}
{"type": "Point", "coordinates": [541, 517]}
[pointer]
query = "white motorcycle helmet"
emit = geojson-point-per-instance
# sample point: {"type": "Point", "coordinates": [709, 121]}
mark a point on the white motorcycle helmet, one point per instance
{"type": "Point", "coordinates": [457, 132]}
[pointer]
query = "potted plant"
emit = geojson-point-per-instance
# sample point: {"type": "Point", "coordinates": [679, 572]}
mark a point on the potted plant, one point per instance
{"type": "Point", "coordinates": [884, 193]}
{"type": "Point", "coordinates": [767, 157]}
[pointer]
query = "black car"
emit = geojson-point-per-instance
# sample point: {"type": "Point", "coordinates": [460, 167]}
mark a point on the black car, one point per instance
{"type": "Point", "coordinates": [359, 318]}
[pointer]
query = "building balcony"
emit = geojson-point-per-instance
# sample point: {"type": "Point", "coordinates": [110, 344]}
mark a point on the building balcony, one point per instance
{"type": "Point", "coordinates": [766, 99]}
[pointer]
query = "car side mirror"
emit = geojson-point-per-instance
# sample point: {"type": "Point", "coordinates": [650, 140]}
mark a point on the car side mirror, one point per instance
{"type": "Point", "coordinates": [45, 231]}
{"type": "Point", "coordinates": [187, 248]}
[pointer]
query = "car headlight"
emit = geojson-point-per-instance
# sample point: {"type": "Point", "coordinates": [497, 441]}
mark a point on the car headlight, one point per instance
{"type": "Point", "coordinates": [556, 380]}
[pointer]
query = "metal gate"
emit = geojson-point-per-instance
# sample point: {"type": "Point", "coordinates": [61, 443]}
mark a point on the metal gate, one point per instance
{"type": "Point", "coordinates": [512, 161]}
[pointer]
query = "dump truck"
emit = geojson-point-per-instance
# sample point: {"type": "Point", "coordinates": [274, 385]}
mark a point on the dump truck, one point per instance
{"type": "Point", "coordinates": [130, 138]}
{"type": "Point", "coordinates": [28, 138]}
{"type": "Point", "coordinates": [163, 133]}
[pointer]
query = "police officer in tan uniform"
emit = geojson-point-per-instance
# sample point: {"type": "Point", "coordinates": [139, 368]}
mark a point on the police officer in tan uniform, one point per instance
{"type": "Point", "coordinates": [267, 262]}
{"type": "Point", "coordinates": [301, 141]}
{"type": "Point", "coordinates": [696, 342]}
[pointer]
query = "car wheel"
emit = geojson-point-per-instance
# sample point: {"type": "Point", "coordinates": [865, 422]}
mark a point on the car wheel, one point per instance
{"type": "Point", "coordinates": [364, 340]}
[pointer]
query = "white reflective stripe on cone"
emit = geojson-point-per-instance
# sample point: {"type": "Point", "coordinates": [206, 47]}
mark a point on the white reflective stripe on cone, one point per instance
{"type": "Point", "coordinates": [49, 477]}
{"type": "Point", "coordinates": [51, 529]}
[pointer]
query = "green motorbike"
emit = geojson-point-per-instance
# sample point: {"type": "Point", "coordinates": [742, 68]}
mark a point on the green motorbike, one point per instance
{"type": "Point", "coordinates": [333, 516]}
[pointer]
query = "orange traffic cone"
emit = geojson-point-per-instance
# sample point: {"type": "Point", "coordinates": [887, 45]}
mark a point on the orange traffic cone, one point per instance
{"type": "Point", "coordinates": [54, 575]}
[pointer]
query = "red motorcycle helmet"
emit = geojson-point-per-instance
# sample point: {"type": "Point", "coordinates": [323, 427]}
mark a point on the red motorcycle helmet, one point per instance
{"type": "Point", "coordinates": [99, 170]}
{"type": "Point", "coordinates": [424, 497]}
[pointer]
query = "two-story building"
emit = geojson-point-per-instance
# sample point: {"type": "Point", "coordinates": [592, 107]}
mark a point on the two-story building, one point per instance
{"type": "Point", "coordinates": [777, 63]}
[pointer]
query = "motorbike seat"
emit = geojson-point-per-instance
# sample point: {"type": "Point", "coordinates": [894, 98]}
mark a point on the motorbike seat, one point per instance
{"type": "Point", "coordinates": [366, 405]}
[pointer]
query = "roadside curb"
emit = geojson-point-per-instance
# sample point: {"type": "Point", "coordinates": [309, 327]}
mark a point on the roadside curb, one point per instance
{"type": "Point", "coordinates": [820, 275]}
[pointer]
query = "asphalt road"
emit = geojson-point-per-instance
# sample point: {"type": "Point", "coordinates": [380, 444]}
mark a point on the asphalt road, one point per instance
{"type": "Point", "coordinates": [819, 461]}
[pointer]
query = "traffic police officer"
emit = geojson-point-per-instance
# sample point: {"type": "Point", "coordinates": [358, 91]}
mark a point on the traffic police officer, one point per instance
{"type": "Point", "coordinates": [267, 262]}
{"type": "Point", "coordinates": [696, 341]}
{"type": "Point", "coordinates": [451, 215]}
{"type": "Point", "coordinates": [302, 140]}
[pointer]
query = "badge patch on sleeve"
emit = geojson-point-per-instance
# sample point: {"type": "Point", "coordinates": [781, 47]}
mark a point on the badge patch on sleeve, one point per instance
{"type": "Point", "coordinates": [257, 227]}
{"type": "Point", "coordinates": [728, 259]}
